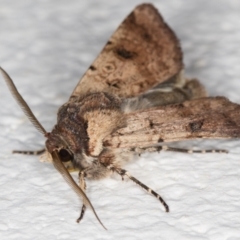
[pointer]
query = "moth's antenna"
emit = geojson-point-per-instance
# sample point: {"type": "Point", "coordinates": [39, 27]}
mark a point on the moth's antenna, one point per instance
{"type": "Point", "coordinates": [21, 102]}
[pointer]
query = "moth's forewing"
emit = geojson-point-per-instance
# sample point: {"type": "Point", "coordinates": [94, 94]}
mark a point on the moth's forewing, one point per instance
{"type": "Point", "coordinates": [211, 118]}
{"type": "Point", "coordinates": [141, 53]}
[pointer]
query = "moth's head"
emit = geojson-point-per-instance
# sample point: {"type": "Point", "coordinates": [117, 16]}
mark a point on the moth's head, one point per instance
{"type": "Point", "coordinates": [54, 143]}
{"type": "Point", "coordinates": [69, 136]}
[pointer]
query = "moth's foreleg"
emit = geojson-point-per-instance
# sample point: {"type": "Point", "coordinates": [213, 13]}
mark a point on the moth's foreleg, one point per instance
{"type": "Point", "coordinates": [83, 186]}
{"type": "Point", "coordinates": [39, 152]}
{"type": "Point", "coordinates": [173, 149]}
{"type": "Point", "coordinates": [123, 173]}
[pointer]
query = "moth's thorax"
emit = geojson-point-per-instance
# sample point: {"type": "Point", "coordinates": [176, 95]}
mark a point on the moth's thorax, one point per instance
{"type": "Point", "coordinates": [82, 125]}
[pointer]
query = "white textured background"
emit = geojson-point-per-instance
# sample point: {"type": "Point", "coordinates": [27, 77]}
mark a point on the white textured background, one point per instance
{"type": "Point", "coordinates": [46, 46]}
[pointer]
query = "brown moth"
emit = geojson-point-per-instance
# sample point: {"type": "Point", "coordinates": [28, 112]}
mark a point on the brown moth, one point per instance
{"type": "Point", "coordinates": [132, 98]}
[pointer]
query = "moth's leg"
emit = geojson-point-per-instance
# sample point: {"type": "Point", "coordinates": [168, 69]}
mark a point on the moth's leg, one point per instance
{"type": "Point", "coordinates": [82, 185]}
{"type": "Point", "coordinates": [123, 173]}
{"type": "Point", "coordinates": [39, 152]}
{"type": "Point", "coordinates": [173, 149]}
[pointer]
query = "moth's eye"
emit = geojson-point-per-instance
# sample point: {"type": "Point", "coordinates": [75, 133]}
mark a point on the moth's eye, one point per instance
{"type": "Point", "coordinates": [65, 155]}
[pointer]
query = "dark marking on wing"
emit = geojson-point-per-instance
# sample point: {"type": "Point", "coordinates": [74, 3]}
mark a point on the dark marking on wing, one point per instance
{"type": "Point", "coordinates": [92, 68]}
{"type": "Point", "coordinates": [147, 37]}
{"type": "Point", "coordinates": [125, 53]}
{"type": "Point", "coordinates": [115, 83]}
{"type": "Point", "coordinates": [196, 126]}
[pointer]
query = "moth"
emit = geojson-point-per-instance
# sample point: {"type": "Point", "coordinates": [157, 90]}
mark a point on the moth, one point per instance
{"type": "Point", "coordinates": [133, 99]}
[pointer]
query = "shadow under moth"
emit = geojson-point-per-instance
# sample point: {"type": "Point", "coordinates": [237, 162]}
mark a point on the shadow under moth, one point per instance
{"type": "Point", "coordinates": [132, 99]}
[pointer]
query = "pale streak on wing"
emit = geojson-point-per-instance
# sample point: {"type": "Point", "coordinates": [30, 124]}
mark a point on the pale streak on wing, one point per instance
{"type": "Point", "coordinates": [211, 118]}
{"type": "Point", "coordinates": [142, 53]}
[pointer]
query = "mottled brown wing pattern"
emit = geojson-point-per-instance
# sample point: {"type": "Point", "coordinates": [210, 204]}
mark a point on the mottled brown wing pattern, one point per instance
{"type": "Point", "coordinates": [142, 52]}
{"type": "Point", "coordinates": [199, 118]}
